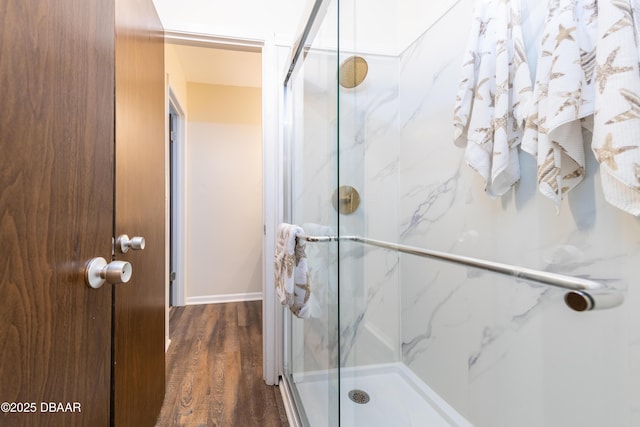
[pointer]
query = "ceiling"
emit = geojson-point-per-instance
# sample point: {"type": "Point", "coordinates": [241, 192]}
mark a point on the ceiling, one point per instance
{"type": "Point", "coordinates": [220, 66]}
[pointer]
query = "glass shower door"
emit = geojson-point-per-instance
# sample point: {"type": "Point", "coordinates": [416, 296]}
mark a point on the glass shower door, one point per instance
{"type": "Point", "coordinates": [370, 135]}
{"type": "Point", "coordinates": [312, 348]}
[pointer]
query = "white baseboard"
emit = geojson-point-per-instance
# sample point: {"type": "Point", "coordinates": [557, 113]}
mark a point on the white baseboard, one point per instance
{"type": "Point", "coordinates": [217, 299]}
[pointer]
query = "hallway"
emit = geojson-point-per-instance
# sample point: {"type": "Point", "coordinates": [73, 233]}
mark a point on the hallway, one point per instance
{"type": "Point", "coordinates": [214, 369]}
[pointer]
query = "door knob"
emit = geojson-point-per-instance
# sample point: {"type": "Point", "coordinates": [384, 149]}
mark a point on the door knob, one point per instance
{"type": "Point", "coordinates": [98, 271]}
{"type": "Point", "coordinates": [124, 243]}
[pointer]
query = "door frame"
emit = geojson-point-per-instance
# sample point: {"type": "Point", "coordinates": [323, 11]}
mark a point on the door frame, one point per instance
{"type": "Point", "coordinates": [273, 72]}
{"type": "Point", "coordinates": [177, 154]}
{"type": "Point", "coordinates": [176, 212]}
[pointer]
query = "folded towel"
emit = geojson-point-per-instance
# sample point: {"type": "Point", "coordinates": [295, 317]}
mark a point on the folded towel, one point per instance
{"type": "Point", "coordinates": [291, 271]}
{"type": "Point", "coordinates": [494, 95]}
{"type": "Point", "coordinates": [563, 96]}
{"type": "Point", "coordinates": [616, 124]}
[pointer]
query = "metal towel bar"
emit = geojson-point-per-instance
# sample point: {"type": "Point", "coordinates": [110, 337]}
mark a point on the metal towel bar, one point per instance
{"type": "Point", "coordinates": [582, 295]}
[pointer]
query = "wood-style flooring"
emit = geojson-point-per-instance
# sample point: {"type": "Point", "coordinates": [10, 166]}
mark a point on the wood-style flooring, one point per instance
{"type": "Point", "coordinates": [214, 369]}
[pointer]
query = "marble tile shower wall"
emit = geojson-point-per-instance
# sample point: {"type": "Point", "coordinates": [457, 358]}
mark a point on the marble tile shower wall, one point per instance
{"type": "Point", "coordinates": [369, 160]}
{"type": "Point", "coordinates": [369, 292]}
{"type": "Point", "coordinates": [502, 352]}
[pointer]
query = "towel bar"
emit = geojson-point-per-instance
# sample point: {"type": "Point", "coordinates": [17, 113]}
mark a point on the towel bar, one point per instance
{"type": "Point", "coordinates": [583, 295]}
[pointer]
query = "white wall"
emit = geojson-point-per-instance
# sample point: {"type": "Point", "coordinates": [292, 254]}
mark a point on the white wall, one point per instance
{"type": "Point", "coordinates": [501, 351]}
{"type": "Point", "coordinates": [379, 27]}
{"type": "Point", "coordinates": [361, 25]}
{"type": "Point", "coordinates": [224, 195]}
{"type": "Point", "coordinates": [175, 74]}
{"type": "Point", "coordinates": [245, 19]}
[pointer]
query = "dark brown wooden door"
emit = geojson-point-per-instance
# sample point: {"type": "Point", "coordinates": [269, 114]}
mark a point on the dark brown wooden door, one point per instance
{"type": "Point", "coordinates": [139, 370]}
{"type": "Point", "coordinates": [56, 210]}
{"type": "Point", "coordinates": [59, 69]}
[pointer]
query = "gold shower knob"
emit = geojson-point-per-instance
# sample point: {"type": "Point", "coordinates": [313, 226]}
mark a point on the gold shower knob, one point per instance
{"type": "Point", "coordinates": [353, 71]}
{"type": "Point", "coordinates": [346, 199]}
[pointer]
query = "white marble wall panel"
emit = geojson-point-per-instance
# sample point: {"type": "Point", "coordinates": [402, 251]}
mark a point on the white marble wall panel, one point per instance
{"type": "Point", "coordinates": [505, 353]}
{"type": "Point", "coordinates": [366, 150]}
{"type": "Point", "coordinates": [369, 299]}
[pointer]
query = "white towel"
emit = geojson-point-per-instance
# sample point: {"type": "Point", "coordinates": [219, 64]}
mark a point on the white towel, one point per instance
{"type": "Point", "coordinates": [291, 271]}
{"type": "Point", "coordinates": [563, 96]}
{"type": "Point", "coordinates": [494, 95]}
{"type": "Point", "coordinates": [617, 117]}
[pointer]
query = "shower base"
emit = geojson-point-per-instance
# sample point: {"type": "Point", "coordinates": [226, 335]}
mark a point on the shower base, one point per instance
{"type": "Point", "coordinates": [394, 397]}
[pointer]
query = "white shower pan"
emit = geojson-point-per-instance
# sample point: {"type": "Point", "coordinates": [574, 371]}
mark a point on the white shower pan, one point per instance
{"type": "Point", "coordinates": [396, 397]}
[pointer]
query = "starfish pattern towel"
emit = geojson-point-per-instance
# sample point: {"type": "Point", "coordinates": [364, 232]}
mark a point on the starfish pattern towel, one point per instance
{"type": "Point", "coordinates": [493, 96]}
{"type": "Point", "coordinates": [291, 271]}
{"type": "Point", "coordinates": [617, 116]}
{"type": "Point", "coordinates": [563, 96]}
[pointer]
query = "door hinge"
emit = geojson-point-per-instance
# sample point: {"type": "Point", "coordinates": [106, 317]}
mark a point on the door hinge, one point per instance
{"type": "Point", "coordinates": [172, 276]}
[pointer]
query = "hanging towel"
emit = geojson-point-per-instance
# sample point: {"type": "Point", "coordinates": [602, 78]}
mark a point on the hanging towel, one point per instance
{"type": "Point", "coordinates": [291, 271]}
{"type": "Point", "coordinates": [493, 95]}
{"type": "Point", "coordinates": [563, 96]}
{"type": "Point", "coordinates": [617, 117]}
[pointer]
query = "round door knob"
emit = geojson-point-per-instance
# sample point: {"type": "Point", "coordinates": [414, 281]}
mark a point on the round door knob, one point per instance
{"type": "Point", "coordinates": [98, 271]}
{"type": "Point", "coordinates": [124, 243]}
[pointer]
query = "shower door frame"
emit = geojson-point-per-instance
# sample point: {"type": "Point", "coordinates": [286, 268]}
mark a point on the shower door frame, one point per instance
{"type": "Point", "coordinates": [315, 12]}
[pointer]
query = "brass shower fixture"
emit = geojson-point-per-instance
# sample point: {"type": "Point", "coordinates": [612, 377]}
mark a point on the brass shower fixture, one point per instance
{"type": "Point", "coordinates": [353, 71]}
{"type": "Point", "coordinates": [346, 199]}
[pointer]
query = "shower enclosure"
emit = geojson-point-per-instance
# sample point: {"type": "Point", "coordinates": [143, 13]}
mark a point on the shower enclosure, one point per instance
{"type": "Point", "coordinates": [397, 336]}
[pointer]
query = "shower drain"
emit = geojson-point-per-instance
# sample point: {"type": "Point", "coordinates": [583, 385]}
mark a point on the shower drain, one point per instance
{"type": "Point", "coordinates": [359, 396]}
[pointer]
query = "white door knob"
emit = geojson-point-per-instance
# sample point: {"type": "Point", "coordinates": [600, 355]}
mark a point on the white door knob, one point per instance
{"type": "Point", "coordinates": [98, 271]}
{"type": "Point", "coordinates": [124, 243]}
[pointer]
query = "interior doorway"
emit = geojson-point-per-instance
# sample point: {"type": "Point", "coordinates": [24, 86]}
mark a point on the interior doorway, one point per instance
{"type": "Point", "coordinates": [266, 70]}
{"type": "Point", "coordinates": [215, 148]}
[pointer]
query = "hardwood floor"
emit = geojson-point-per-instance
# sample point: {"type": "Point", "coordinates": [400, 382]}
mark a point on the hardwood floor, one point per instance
{"type": "Point", "coordinates": [214, 369]}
